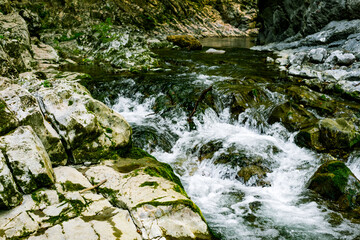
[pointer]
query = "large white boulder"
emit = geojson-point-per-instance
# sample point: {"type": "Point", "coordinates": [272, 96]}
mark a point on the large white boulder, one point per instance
{"type": "Point", "coordinates": [27, 111]}
{"type": "Point", "coordinates": [91, 129]}
{"type": "Point", "coordinates": [27, 158]}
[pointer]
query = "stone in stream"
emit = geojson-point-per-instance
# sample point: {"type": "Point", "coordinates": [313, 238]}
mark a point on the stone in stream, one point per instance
{"type": "Point", "coordinates": [329, 134]}
{"type": "Point", "coordinates": [28, 160]}
{"type": "Point", "coordinates": [253, 175]}
{"type": "Point", "coordinates": [215, 51]}
{"type": "Point", "coordinates": [334, 181]}
{"type": "Point", "coordinates": [27, 111]}
{"type": "Point", "coordinates": [185, 41]}
{"type": "Point", "coordinates": [292, 116]}
{"type": "Point", "coordinates": [9, 194]}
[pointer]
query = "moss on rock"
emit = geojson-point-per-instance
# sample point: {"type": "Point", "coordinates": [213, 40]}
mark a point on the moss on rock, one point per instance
{"type": "Point", "coordinates": [335, 181]}
{"type": "Point", "coordinates": [185, 41]}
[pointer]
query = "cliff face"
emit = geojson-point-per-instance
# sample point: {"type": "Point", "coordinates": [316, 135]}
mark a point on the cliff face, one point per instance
{"type": "Point", "coordinates": [202, 17]}
{"type": "Point", "coordinates": [285, 18]}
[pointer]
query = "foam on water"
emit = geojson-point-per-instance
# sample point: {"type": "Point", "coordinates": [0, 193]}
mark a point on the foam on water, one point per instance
{"type": "Point", "coordinates": [234, 209]}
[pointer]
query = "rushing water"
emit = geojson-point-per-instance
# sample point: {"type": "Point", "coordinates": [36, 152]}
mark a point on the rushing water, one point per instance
{"type": "Point", "coordinates": [282, 208]}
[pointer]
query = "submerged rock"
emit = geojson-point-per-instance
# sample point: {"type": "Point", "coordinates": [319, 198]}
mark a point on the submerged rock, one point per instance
{"type": "Point", "coordinates": [253, 175]}
{"type": "Point", "coordinates": [185, 41]}
{"type": "Point", "coordinates": [215, 51]}
{"type": "Point", "coordinates": [334, 181]}
{"type": "Point", "coordinates": [28, 160]}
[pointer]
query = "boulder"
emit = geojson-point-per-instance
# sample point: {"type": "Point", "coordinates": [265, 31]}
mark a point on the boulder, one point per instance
{"type": "Point", "coordinates": [335, 181]}
{"type": "Point", "coordinates": [27, 111]}
{"type": "Point", "coordinates": [185, 41]}
{"type": "Point", "coordinates": [27, 159]}
{"type": "Point", "coordinates": [91, 130]}
{"type": "Point", "coordinates": [317, 55]}
{"type": "Point", "coordinates": [9, 194]}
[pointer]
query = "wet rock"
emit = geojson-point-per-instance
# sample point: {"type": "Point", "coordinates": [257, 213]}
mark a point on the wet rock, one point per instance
{"type": "Point", "coordinates": [330, 134]}
{"type": "Point", "coordinates": [317, 55]}
{"type": "Point", "coordinates": [324, 104]}
{"type": "Point", "coordinates": [310, 138]}
{"type": "Point", "coordinates": [9, 194]}
{"type": "Point", "coordinates": [338, 133]}
{"type": "Point", "coordinates": [253, 175]}
{"type": "Point", "coordinates": [335, 181]}
{"type": "Point", "coordinates": [91, 129]}
{"type": "Point", "coordinates": [185, 41]}
{"type": "Point", "coordinates": [8, 121]}
{"type": "Point", "coordinates": [293, 116]}
{"type": "Point", "coordinates": [34, 171]}
{"type": "Point", "coordinates": [27, 111]}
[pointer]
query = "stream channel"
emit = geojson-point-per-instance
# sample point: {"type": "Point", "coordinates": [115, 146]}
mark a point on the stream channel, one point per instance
{"type": "Point", "coordinates": [229, 131]}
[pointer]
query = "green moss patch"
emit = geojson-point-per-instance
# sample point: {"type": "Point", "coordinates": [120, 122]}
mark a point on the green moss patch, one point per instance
{"type": "Point", "coordinates": [71, 187]}
{"type": "Point", "coordinates": [149, 184]}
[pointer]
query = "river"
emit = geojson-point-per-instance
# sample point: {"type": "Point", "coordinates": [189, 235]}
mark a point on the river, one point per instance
{"type": "Point", "coordinates": [222, 139]}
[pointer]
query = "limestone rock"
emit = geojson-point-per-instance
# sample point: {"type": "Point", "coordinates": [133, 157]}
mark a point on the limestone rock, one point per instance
{"type": "Point", "coordinates": [30, 164]}
{"type": "Point", "coordinates": [8, 121]}
{"type": "Point", "coordinates": [317, 55]}
{"type": "Point", "coordinates": [26, 109]}
{"type": "Point", "coordinates": [14, 45]}
{"type": "Point", "coordinates": [9, 194]}
{"type": "Point", "coordinates": [340, 58]}
{"type": "Point", "coordinates": [185, 41]}
{"type": "Point", "coordinates": [91, 129]}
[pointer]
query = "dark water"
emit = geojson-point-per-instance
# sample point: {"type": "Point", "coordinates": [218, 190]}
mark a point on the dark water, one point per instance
{"type": "Point", "coordinates": [229, 131]}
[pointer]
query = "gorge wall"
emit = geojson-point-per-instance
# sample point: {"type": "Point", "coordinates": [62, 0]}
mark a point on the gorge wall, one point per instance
{"type": "Point", "coordinates": [281, 19]}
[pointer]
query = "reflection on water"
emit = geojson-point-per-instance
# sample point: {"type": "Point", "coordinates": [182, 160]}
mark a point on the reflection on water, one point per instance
{"type": "Point", "coordinates": [232, 42]}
